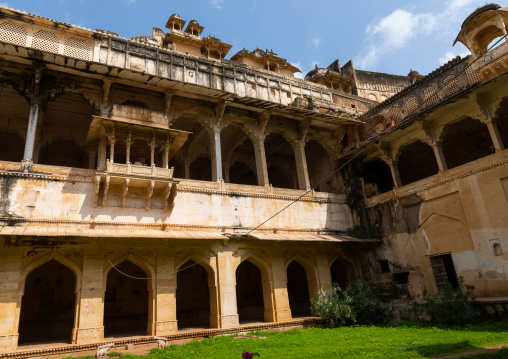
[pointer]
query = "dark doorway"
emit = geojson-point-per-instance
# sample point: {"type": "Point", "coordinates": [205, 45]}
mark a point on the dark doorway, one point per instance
{"type": "Point", "coordinates": [416, 161]}
{"type": "Point", "coordinates": [444, 271]}
{"type": "Point", "coordinates": [126, 301]}
{"type": "Point", "coordinates": [377, 177]}
{"type": "Point", "coordinates": [63, 153]}
{"type": "Point", "coordinates": [47, 308]}
{"type": "Point", "coordinates": [298, 290]}
{"type": "Point", "coordinates": [192, 296]}
{"type": "Point", "coordinates": [249, 293]}
{"type": "Point", "coordinates": [466, 141]}
{"type": "Point", "coordinates": [339, 273]}
{"type": "Point", "coordinates": [200, 169]}
{"type": "Point", "coordinates": [240, 173]}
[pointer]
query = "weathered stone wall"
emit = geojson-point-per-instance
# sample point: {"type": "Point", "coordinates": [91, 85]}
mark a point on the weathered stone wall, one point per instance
{"type": "Point", "coordinates": [198, 203]}
{"type": "Point", "coordinates": [462, 212]}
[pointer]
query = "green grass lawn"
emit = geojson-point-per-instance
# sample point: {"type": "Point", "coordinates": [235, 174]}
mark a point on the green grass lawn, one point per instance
{"type": "Point", "coordinates": [400, 340]}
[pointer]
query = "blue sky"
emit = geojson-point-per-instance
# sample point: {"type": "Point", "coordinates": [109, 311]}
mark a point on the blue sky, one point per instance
{"type": "Point", "coordinates": [384, 36]}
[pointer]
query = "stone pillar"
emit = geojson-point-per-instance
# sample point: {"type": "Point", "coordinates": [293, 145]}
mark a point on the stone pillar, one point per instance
{"type": "Point", "coordinates": [494, 134]}
{"type": "Point", "coordinates": [167, 146]}
{"type": "Point", "coordinates": [228, 314]}
{"type": "Point", "coordinates": [394, 169]}
{"type": "Point", "coordinates": [301, 165]}
{"type": "Point", "coordinates": [282, 310]}
{"type": "Point", "coordinates": [101, 151]}
{"type": "Point", "coordinates": [325, 276]}
{"type": "Point", "coordinates": [261, 166]}
{"type": "Point", "coordinates": [165, 311]}
{"type": "Point", "coordinates": [90, 326]}
{"type": "Point", "coordinates": [440, 158]}
{"type": "Point", "coordinates": [216, 151]}
{"type": "Point", "coordinates": [10, 297]}
{"type": "Point", "coordinates": [128, 143]}
{"type": "Point", "coordinates": [186, 168]}
{"type": "Point", "coordinates": [31, 130]}
{"type": "Point", "coordinates": [152, 151]}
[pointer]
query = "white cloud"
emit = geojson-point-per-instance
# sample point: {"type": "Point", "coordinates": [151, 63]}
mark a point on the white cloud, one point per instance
{"type": "Point", "coordinates": [316, 40]}
{"type": "Point", "coordinates": [130, 2]}
{"type": "Point", "coordinates": [299, 75]}
{"type": "Point", "coordinates": [217, 3]}
{"type": "Point", "coordinates": [396, 30]}
{"type": "Point", "coordinates": [452, 54]}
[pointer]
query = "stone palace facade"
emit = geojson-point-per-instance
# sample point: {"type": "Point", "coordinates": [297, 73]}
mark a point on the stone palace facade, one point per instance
{"type": "Point", "coordinates": [135, 175]}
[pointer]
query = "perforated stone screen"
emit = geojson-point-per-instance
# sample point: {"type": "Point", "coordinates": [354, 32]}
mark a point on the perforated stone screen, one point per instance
{"type": "Point", "coordinates": [13, 34]}
{"type": "Point", "coordinates": [77, 48]}
{"type": "Point", "coordinates": [411, 105]}
{"type": "Point", "coordinates": [430, 96]}
{"type": "Point", "coordinates": [45, 41]}
{"type": "Point", "coordinates": [451, 85]}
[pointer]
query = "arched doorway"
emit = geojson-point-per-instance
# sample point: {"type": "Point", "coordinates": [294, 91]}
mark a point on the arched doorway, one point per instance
{"type": "Point", "coordinates": [126, 301]}
{"type": "Point", "coordinates": [192, 296]}
{"type": "Point", "coordinates": [340, 273]}
{"type": "Point", "coordinates": [249, 293]}
{"type": "Point", "coordinates": [48, 305]}
{"type": "Point", "coordinates": [298, 290]}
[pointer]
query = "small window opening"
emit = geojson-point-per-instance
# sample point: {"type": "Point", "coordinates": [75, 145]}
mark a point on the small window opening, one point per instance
{"type": "Point", "coordinates": [498, 251]}
{"type": "Point", "coordinates": [177, 27]}
{"type": "Point", "coordinates": [401, 278]}
{"type": "Point", "coordinates": [288, 94]}
{"type": "Point", "coordinates": [385, 267]}
{"type": "Point", "coordinates": [444, 271]}
{"type": "Point", "coordinates": [353, 105]}
{"type": "Point", "coordinates": [253, 86]}
{"type": "Point", "coordinates": [272, 91]}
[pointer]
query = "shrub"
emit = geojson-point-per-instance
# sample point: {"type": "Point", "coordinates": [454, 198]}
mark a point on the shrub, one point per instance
{"type": "Point", "coordinates": [453, 306]}
{"type": "Point", "coordinates": [359, 303]}
{"type": "Point", "coordinates": [366, 302]}
{"type": "Point", "coordinates": [335, 309]}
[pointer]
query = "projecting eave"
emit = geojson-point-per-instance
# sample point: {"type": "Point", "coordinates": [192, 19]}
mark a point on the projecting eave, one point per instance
{"type": "Point", "coordinates": [301, 237]}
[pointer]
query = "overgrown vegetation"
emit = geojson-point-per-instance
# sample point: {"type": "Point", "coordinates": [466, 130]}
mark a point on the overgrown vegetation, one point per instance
{"type": "Point", "coordinates": [401, 340]}
{"type": "Point", "coordinates": [453, 306]}
{"type": "Point", "coordinates": [359, 303]}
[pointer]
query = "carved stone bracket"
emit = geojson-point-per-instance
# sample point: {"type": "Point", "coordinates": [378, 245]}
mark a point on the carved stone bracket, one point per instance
{"type": "Point", "coordinates": [125, 189]}
{"type": "Point", "coordinates": [169, 195]}
{"type": "Point", "coordinates": [105, 192]}
{"type": "Point", "coordinates": [148, 194]}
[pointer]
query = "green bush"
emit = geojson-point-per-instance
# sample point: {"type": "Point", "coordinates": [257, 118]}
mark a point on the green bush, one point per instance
{"type": "Point", "coordinates": [366, 302]}
{"type": "Point", "coordinates": [335, 309]}
{"type": "Point", "coordinates": [359, 303]}
{"type": "Point", "coordinates": [453, 306]}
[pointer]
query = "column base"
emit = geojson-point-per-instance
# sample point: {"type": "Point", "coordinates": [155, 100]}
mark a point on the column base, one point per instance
{"type": "Point", "coordinates": [89, 335]}
{"type": "Point", "coordinates": [229, 321]}
{"type": "Point", "coordinates": [8, 343]}
{"type": "Point", "coordinates": [166, 328]}
{"type": "Point", "coordinates": [283, 315]}
{"type": "Point", "coordinates": [26, 166]}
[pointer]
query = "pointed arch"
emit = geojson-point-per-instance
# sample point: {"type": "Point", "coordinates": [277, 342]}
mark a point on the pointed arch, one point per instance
{"type": "Point", "coordinates": [310, 268]}
{"type": "Point", "coordinates": [53, 308]}
{"type": "Point", "coordinates": [137, 260]}
{"type": "Point", "coordinates": [117, 301]}
{"type": "Point", "coordinates": [200, 260]}
{"type": "Point", "coordinates": [191, 314]}
{"type": "Point", "coordinates": [46, 258]}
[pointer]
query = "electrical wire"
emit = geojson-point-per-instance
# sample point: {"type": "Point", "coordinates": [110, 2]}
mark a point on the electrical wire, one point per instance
{"type": "Point", "coordinates": [246, 235]}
